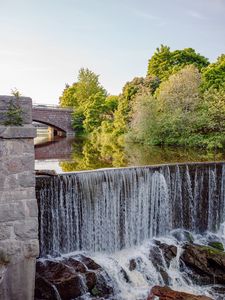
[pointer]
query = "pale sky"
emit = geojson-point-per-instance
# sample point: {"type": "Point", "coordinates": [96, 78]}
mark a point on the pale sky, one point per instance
{"type": "Point", "coordinates": [43, 43]}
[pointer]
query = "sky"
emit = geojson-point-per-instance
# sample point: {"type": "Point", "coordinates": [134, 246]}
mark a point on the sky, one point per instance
{"type": "Point", "coordinates": [44, 43]}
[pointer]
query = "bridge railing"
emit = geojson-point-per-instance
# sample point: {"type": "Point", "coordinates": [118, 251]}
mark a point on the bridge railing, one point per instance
{"type": "Point", "coordinates": [52, 106]}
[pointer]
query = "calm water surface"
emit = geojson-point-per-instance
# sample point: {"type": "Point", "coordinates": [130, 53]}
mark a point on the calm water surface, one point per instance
{"type": "Point", "coordinates": [71, 154]}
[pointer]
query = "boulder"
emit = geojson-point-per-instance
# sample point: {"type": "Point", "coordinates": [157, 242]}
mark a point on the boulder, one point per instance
{"type": "Point", "coordinates": [166, 293]}
{"type": "Point", "coordinates": [182, 235]}
{"type": "Point", "coordinates": [63, 278]}
{"type": "Point", "coordinates": [71, 278]}
{"type": "Point", "coordinates": [207, 265]}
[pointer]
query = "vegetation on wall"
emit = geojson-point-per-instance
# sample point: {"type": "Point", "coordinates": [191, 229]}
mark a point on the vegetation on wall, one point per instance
{"type": "Point", "coordinates": [181, 101]}
{"type": "Point", "coordinates": [13, 116]}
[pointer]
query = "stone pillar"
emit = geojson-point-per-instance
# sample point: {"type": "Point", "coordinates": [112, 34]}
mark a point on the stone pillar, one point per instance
{"type": "Point", "coordinates": [18, 206]}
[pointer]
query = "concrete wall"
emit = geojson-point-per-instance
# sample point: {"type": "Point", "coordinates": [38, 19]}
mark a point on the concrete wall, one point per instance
{"type": "Point", "coordinates": [18, 207]}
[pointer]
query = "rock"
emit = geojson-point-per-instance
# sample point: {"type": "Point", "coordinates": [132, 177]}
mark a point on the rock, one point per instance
{"type": "Point", "coordinates": [155, 256]}
{"type": "Point", "coordinates": [207, 265]}
{"type": "Point", "coordinates": [70, 278]}
{"type": "Point", "coordinates": [169, 252]}
{"type": "Point", "coordinates": [44, 289]}
{"type": "Point", "coordinates": [77, 265]}
{"type": "Point", "coordinates": [67, 282]}
{"type": "Point", "coordinates": [216, 245]}
{"type": "Point", "coordinates": [161, 256]}
{"type": "Point", "coordinates": [89, 263]}
{"type": "Point", "coordinates": [165, 293]}
{"type": "Point", "coordinates": [182, 235]}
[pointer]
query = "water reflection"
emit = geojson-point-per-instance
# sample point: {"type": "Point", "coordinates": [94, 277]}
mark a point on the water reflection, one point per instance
{"type": "Point", "coordinates": [69, 154]}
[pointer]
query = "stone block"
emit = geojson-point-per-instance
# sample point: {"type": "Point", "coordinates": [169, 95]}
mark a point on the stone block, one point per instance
{"type": "Point", "coordinates": [27, 161]}
{"type": "Point", "coordinates": [12, 212]}
{"type": "Point", "coordinates": [32, 208]}
{"type": "Point", "coordinates": [31, 248]}
{"type": "Point", "coordinates": [27, 229]}
{"type": "Point", "coordinates": [14, 165]}
{"type": "Point", "coordinates": [11, 182]}
{"type": "Point", "coordinates": [13, 249]}
{"type": "Point", "coordinates": [5, 231]}
{"type": "Point", "coordinates": [16, 132]}
{"type": "Point", "coordinates": [17, 195]}
{"type": "Point", "coordinates": [26, 179]}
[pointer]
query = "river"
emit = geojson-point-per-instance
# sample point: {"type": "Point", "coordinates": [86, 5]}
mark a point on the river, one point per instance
{"type": "Point", "coordinates": [73, 154]}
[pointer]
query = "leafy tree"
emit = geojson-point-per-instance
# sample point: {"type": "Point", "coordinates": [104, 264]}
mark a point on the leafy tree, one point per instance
{"type": "Point", "coordinates": [131, 90]}
{"type": "Point", "coordinates": [209, 128]}
{"type": "Point", "coordinates": [85, 96]}
{"type": "Point", "coordinates": [214, 75]}
{"type": "Point", "coordinates": [68, 98]}
{"type": "Point", "coordinates": [168, 118]}
{"type": "Point", "coordinates": [87, 86]}
{"type": "Point", "coordinates": [181, 90]}
{"type": "Point", "coordinates": [165, 62]}
{"type": "Point", "coordinates": [94, 112]}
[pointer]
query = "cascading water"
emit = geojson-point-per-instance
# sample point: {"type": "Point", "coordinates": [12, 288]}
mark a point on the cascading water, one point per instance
{"type": "Point", "coordinates": [115, 212]}
{"type": "Point", "coordinates": [109, 210]}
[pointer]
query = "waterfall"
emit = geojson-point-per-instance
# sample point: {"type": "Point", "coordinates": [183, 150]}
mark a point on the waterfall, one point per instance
{"type": "Point", "coordinates": [109, 210]}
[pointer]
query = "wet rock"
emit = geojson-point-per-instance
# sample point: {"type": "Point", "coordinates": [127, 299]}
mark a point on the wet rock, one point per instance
{"type": "Point", "coordinates": [182, 235]}
{"type": "Point", "coordinates": [155, 256]}
{"type": "Point", "coordinates": [44, 289]}
{"type": "Point", "coordinates": [63, 278]}
{"type": "Point", "coordinates": [169, 252]}
{"type": "Point", "coordinates": [90, 280]}
{"type": "Point", "coordinates": [71, 278]}
{"type": "Point", "coordinates": [124, 275]}
{"type": "Point", "coordinates": [216, 245]}
{"type": "Point", "coordinates": [77, 265]}
{"type": "Point", "coordinates": [89, 263]}
{"type": "Point", "coordinates": [160, 257]}
{"type": "Point", "coordinates": [132, 264]}
{"type": "Point", "coordinates": [207, 265]}
{"type": "Point", "coordinates": [103, 286]}
{"type": "Point", "coordinates": [165, 293]}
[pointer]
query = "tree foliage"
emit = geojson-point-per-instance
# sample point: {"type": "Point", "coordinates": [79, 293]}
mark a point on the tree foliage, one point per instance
{"type": "Point", "coordinates": [214, 75]}
{"type": "Point", "coordinates": [179, 102]}
{"type": "Point", "coordinates": [165, 62]}
{"type": "Point", "coordinates": [86, 97]}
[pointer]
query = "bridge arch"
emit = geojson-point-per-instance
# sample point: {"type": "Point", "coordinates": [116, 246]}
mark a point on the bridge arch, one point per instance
{"type": "Point", "coordinates": [57, 118]}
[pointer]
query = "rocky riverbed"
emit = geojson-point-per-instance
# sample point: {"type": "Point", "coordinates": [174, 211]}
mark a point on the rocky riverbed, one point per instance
{"type": "Point", "coordinates": [194, 267]}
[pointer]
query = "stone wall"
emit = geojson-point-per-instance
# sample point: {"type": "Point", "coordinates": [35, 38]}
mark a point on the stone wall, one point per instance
{"type": "Point", "coordinates": [59, 118]}
{"type": "Point", "coordinates": [18, 207]}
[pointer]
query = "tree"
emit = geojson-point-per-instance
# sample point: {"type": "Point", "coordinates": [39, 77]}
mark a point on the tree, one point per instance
{"type": "Point", "coordinates": [214, 75]}
{"type": "Point", "coordinates": [84, 96]}
{"type": "Point", "coordinates": [68, 98]}
{"type": "Point", "coordinates": [14, 114]}
{"type": "Point", "coordinates": [167, 118]}
{"type": "Point", "coordinates": [181, 90]}
{"type": "Point", "coordinates": [165, 62]}
{"type": "Point", "coordinates": [94, 112]}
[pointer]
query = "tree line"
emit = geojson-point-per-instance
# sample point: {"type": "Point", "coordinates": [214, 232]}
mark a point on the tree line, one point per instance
{"type": "Point", "coordinates": [180, 102]}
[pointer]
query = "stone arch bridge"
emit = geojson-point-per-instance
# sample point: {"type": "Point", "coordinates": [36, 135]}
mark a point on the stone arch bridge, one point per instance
{"type": "Point", "coordinates": [58, 118]}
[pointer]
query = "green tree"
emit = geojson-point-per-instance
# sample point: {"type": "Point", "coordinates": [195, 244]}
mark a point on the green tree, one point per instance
{"type": "Point", "coordinates": [214, 75]}
{"type": "Point", "coordinates": [85, 96]}
{"type": "Point", "coordinates": [168, 118]}
{"type": "Point", "coordinates": [165, 62]}
{"type": "Point", "coordinates": [94, 112]}
{"type": "Point", "coordinates": [209, 129]}
{"type": "Point", "coordinates": [14, 114]}
{"type": "Point", "coordinates": [68, 98]}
